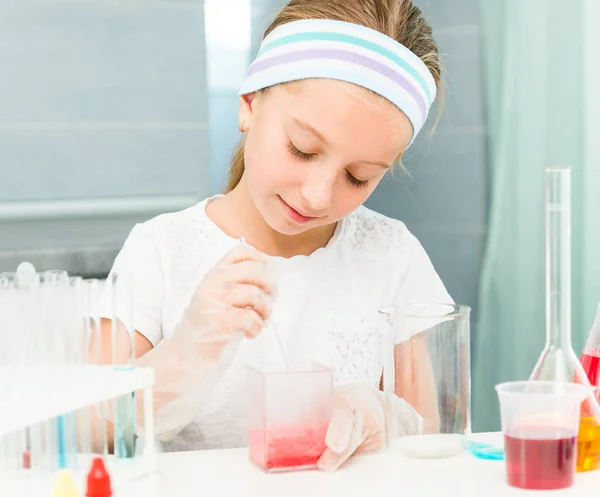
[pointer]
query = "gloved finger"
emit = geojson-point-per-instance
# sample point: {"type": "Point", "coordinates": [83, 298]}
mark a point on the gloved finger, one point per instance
{"type": "Point", "coordinates": [221, 321]}
{"type": "Point", "coordinates": [339, 430]}
{"type": "Point", "coordinates": [403, 419]}
{"type": "Point", "coordinates": [331, 460]}
{"type": "Point", "coordinates": [342, 439]}
{"type": "Point", "coordinates": [250, 297]}
{"type": "Point", "coordinates": [249, 272]}
{"type": "Point", "coordinates": [240, 253]}
{"type": "Point", "coordinates": [246, 321]}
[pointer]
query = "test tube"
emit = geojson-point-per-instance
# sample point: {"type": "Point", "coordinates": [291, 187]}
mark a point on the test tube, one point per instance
{"type": "Point", "coordinates": [92, 289]}
{"type": "Point", "coordinates": [7, 290]}
{"type": "Point", "coordinates": [8, 328]}
{"type": "Point", "coordinates": [91, 421]}
{"type": "Point", "coordinates": [122, 334]}
{"type": "Point", "coordinates": [22, 345]}
{"type": "Point", "coordinates": [78, 431]}
{"type": "Point", "coordinates": [27, 282]}
{"type": "Point", "coordinates": [56, 283]}
{"type": "Point", "coordinates": [42, 434]}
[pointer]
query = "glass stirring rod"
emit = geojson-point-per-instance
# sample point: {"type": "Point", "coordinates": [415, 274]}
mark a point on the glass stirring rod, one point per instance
{"type": "Point", "coordinates": [279, 344]}
{"type": "Point", "coordinates": [286, 364]}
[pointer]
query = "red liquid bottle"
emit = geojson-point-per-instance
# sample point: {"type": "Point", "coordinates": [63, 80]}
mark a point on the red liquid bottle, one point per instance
{"type": "Point", "coordinates": [98, 480]}
{"type": "Point", "coordinates": [590, 359]}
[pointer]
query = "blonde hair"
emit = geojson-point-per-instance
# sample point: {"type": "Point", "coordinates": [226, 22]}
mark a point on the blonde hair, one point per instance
{"type": "Point", "coordinates": [398, 19]}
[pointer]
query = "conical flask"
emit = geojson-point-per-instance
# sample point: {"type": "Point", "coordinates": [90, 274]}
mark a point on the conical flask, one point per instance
{"type": "Point", "coordinates": [558, 361]}
{"type": "Point", "coordinates": [590, 359]}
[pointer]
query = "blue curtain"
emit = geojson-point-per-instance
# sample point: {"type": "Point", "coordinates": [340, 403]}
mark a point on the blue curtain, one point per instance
{"type": "Point", "coordinates": [540, 66]}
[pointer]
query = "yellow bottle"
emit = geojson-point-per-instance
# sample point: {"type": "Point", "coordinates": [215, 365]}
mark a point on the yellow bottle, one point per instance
{"type": "Point", "coordinates": [64, 486]}
{"type": "Point", "coordinates": [588, 444]}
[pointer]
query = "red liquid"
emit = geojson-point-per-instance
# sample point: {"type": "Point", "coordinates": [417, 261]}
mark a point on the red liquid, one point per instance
{"type": "Point", "coordinates": [287, 447]}
{"type": "Point", "coordinates": [26, 460]}
{"type": "Point", "coordinates": [538, 463]}
{"type": "Point", "coordinates": [590, 360]}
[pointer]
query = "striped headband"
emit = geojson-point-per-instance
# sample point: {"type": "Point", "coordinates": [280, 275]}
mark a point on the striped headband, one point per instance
{"type": "Point", "coordinates": [323, 48]}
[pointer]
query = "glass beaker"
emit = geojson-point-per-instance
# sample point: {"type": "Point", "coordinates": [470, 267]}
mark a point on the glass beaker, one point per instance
{"type": "Point", "coordinates": [427, 363]}
{"type": "Point", "coordinates": [540, 422]}
{"type": "Point", "coordinates": [558, 361]}
{"type": "Point", "coordinates": [288, 417]}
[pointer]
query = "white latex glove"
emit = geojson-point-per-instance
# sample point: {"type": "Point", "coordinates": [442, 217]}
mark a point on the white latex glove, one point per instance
{"type": "Point", "coordinates": [358, 423]}
{"type": "Point", "coordinates": [234, 300]}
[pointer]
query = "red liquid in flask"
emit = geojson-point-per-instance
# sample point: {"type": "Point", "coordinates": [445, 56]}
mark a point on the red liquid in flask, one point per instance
{"type": "Point", "coordinates": [540, 462]}
{"type": "Point", "coordinates": [590, 360]}
{"type": "Point", "coordinates": [288, 447]}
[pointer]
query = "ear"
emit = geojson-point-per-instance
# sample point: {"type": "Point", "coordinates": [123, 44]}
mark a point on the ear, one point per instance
{"type": "Point", "coordinates": [246, 111]}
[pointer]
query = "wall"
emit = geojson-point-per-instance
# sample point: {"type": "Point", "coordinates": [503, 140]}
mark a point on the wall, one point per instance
{"type": "Point", "coordinates": [444, 200]}
{"type": "Point", "coordinates": [103, 123]}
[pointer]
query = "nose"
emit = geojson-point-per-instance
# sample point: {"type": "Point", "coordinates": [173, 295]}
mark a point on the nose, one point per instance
{"type": "Point", "coordinates": [317, 190]}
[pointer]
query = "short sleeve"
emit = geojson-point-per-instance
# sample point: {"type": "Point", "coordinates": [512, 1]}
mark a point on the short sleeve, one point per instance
{"type": "Point", "coordinates": [420, 285]}
{"type": "Point", "coordinates": [136, 296]}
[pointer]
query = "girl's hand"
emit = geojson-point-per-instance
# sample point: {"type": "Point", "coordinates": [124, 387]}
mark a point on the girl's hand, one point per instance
{"type": "Point", "coordinates": [359, 423]}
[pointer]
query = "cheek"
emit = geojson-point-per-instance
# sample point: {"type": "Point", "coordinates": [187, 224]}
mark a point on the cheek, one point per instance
{"type": "Point", "coordinates": [270, 164]}
{"type": "Point", "coordinates": [348, 198]}
{"type": "Point", "coordinates": [359, 197]}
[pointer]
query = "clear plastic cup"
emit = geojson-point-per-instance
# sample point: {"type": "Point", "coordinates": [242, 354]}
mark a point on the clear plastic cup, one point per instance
{"type": "Point", "coordinates": [288, 417]}
{"type": "Point", "coordinates": [540, 422]}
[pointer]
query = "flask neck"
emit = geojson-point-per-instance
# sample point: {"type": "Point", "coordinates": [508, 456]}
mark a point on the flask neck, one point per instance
{"type": "Point", "coordinates": [559, 336]}
{"type": "Point", "coordinates": [558, 258]}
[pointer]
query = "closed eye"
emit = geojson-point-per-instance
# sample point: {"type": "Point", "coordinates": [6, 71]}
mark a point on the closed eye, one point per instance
{"type": "Point", "coordinates": [305, 157]}
{"type": "Point", "coordinates": [298, 153]}
{"type": "Point", "coordinates": [355, 181]}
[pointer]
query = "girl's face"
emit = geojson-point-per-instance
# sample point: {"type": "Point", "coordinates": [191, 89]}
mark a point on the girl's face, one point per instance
{"type": "Point", "coordinates": [315, 150]}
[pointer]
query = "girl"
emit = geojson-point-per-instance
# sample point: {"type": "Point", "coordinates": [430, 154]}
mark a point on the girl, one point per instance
{"type": "Point", "coordinates": [337, 93]}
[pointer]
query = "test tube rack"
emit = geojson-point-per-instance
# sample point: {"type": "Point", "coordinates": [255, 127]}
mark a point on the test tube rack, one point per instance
{"type": "Point", "coordinates": [40, 393]}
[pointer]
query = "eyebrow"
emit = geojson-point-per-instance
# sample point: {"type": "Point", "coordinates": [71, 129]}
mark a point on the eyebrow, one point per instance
{"type": "Point", "coordinates": [309, 128]}
{"type": "Point", "coordinates": [380, 164]}
{"type": "Point", "coordinates": [312, 130]}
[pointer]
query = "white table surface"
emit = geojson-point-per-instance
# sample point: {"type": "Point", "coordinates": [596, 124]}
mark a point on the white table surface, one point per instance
{"type": "Point", "coordinates": [229, 473]}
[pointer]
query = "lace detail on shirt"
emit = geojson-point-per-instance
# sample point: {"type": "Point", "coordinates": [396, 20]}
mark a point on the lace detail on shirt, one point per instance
{"type": "Point", "coordinates": [368, 230]}
{"type": "Point", "coordinates": [358, 354]}
{"type": "Point", "coordinates": [184, 233]}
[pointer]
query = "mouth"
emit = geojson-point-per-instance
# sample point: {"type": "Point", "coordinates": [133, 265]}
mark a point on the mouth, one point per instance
{"type": "Point", "coordinates": [294, 215]}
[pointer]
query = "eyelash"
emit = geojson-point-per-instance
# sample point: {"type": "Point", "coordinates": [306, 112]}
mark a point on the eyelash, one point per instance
{"type": "Point", "coordinates": [297, 153]}
{"type": "Point", "coordinates": [304, 157]}
{"type": "Point", "coordinates": [356, 182]}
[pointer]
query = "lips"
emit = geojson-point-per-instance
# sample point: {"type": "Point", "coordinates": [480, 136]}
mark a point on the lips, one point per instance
{"type": "Point", "coordinates": [294, 215]}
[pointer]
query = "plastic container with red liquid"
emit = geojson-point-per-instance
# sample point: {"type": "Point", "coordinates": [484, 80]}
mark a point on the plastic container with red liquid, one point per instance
{"type": "Point", "coordinates": [288, 417]}
{"type": "Point", "coordinates": [540, 423]}
{"type": "Point", "coordinates": [540, 458]}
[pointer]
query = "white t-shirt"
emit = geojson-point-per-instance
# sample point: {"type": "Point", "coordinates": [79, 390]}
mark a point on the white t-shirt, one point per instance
{"type": "Point", "coordinates": [326, 310]}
